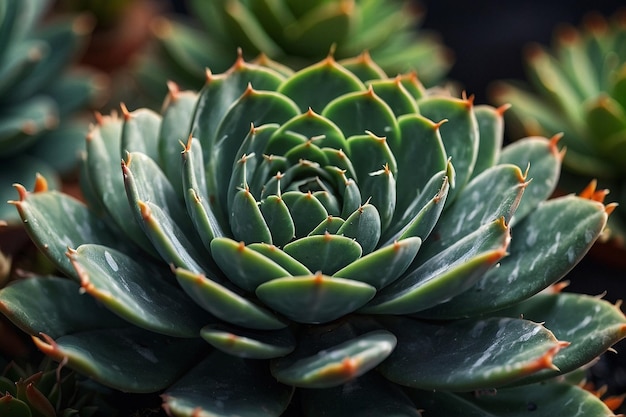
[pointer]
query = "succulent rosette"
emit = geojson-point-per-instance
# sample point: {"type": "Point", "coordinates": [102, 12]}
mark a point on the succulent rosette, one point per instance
{"type": "Point", "coordinates": [578, 87]}
{"type": "Point", "coordinates": [40, 96]}
{"type": "Point", "coordinates": [294, 32]}
{"type": "Point", "coordinates": [325, 242]}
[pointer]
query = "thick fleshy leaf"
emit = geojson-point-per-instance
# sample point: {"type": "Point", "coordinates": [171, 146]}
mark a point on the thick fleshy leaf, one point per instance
{"type": "Point", "coordinates": [420, 136]}
{"type": "Point", "coordinates": [251, 344]}
{"type": "Point", "coordinates": [459, 134]}
{"type": "Point", "coordinates": [177, 113]}
{"type": "Point", "coordinates": [227, 304]}
{"type": "Point", "coordinates": [538, 257]}
{"type": "Point", "coordinates": [316, 86]}
{"type": "Point", "coordinates": [141, 293]}
{"type": "Point", "coordinates": [335, 365]}
{"type": "Point", "coordinates": [329, 225]}
{"type": "Point", "coordinates": [140, 132]}
{"type": "Point", "coordinates": [246, 220]}
{"type": "Point", "coordinates": [325, 253]}
{"type": "Point", "coordinates": [314, 298]}
{"type": "Point", "coordinates": [364, 226]}
{"type": "Point", "coordinates": [33, 305]}
{"type": "Point", "coordinates": [306, 211]}
{"type": "Point", "coordinates": [392, 91]}
{"type": "Point", "coordinates": [278, 220]}
{"type": "Point", "coordinates": [383, 266]}
{"type": "Point", "coordinates": [243, 266]}
{"type": "Point", "coordinates": [446, 274]}
{"type": "Point", "coordinates": [467, 355]}
{"type": "Point", "coordinates": [128, 359]}
{"type": "Point", "coordinates": [281, 258]}
{"type": "Point", "coordinates": [223, 385]}
{"type": "Point", "coordinates": [493, 194]}
{"type": "Point", "coordinates": [589, 324]}
{"type": "Point", "coordinates": [367, 395]}
{"type": "Point", "coordinates": [552, 399]}
{"type": "Point", "coordinates": [542, 159]}
{"type": "Point", "coordinates": [57, 221]}
{"type": "Point", "coordinates": [491, 134]}
{"type": "Point", "coordinates": [203, 216]}
{"type": "Point", "coordinates": [358, 113]}
{"type": "Point", "coordinates": [103, 167]}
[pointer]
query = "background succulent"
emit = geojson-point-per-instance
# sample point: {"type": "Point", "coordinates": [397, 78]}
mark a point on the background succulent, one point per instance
{"type": "Point", "coordinates": [579, 88]}
{"type": "Point", "coordinates": [39, 95]}
{"type": "Point", "coordinates": [329, 242]}
{"type": "Point", "coordinates": [293, 32]}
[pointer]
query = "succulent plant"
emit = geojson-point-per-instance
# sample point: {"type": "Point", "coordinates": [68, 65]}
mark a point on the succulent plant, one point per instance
{"type": "Point", "coordinates": [39, 95]}
{"type": "Point", "coordinates": [293, 32]}
{"type": "Point", "coordinates": [579, 88]}
{"type": "Point", "coordinates": [325, 242]}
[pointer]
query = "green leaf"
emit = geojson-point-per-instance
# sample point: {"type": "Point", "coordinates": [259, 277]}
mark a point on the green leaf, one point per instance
{"type": "Point", "coordinates": [140, 132]}
{"type": "Point", "coordinates": [538, 256]}
{"type": "Point", "coordinates": [314, 298]}
{"type": "Point", "coordinates": [542, 159]}
{"type": "Point", "coordinates": [383, 266]}
{"type": "Point", "coordinates": [251, 344]}
{"type": "Point", "coordinates": [459, 134]}
{"type": "Point", "coordinates": [491, 134]}
{"type": "Point", "coordinates": [278, 220]}
{"type": "Point", "coordinates": [492, 195]}
{"type": "Point", "coordinates": [367, 395]}
{"type": "Point", "coordinates": [335, 365]}
{"type": "Point", "coordinates": [141, 293]}
{"type": "Point", "coordinates": [364, 226]}
{"type": "Point", "coordinates": [589, 324]}
{"type": "Point", "coordinates": [223, 385]}
{"type": "Point", "coordinates": [361, 112]}
{"type": "Point", "coordinates": [128, 359]}
{"type": "Point", "coordinates": [177, 113]}
{"type": "Point", "coordinates": [227, 304]}
{"type": "Point", "coordinates": [306, 211]}
{"type": "Point", "coordinates": [57, 221]}
{"type": "Point", "coordinates": [547, 399]}
{"type": "Point", "coordinates": [243, 266]}
{"type": "Point", "coordinates": [309, 125]}
{"type": "Point", "coordinates": [281, 258]}
{"type": "Point", "coordinates": [420, 136]}
{"type": "Point", "coordinates": [325, 253]}
{"type": "Point", "coordinates": [395, 95]}
{"type": "Point", "coordinates": [317, 85]}
{"type": "Point", "coordinates": [103, 167]}
{"type": "Point", "coordinates": [21, 124]}
{"type": "Point", "coordinates": [246, 220]}
{"type": "Point", "coordinates": [449, 273]}
{"type": "Point", "coordinates": [33, 305]}
{"type": "Point", "coordinates": [467, 355]}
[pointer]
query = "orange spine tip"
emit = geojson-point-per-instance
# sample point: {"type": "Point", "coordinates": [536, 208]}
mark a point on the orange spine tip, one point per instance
{"type": "Point", "coordinates": [146, 213]}
{"type": "Point", "coordinates": [41, 185]}
{"type": "Point", "coordinates": [437, 125]}
{"type": "Point", "coordinates": [98, 116]}
{"type": "Point", "coordinates": [610, 208]}
{"type": "Point", "coordinates": [21, 191]}
{"type": "Point", "coordinates": [589, 190]}
{"type": "Point", "coordinates": [503, 108]}
{"type": "Point", "coordinates": [125, 111]}
{"type": "Point", "coordinates": [173, 90]}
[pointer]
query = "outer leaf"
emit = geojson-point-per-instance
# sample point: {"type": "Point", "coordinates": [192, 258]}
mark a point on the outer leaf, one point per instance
{"type": "Point", "coordinates": [314, 298]}
{"type": "Point", "coordinates": [138, 292]}
{"type": "Point", "coordinates": [129, 359]}
{"type": "Point", "coordinates": [364, 226]}
{"type": "Point", "coordinates": [338, 364]}
{"type": "Point", "coordinates": [281, 258]}
{"type": "Point", "coordinates": [32, 305]}
{"type": "Point", "coordinates": [227, 304]}
{"type": "Point", "coordinates": [551, 399]}
{"type": "Point", "coordinates": [368, 395]}
{"type": "Point", "coordinates": [488, 353]}
{"type": "Point", "coordinates": [449, 273]}
{"type": "Point", "coordinates": [237, 387]}
{"type": "Point", "coordinates": [56, 221]}
{"type": "Point", "coordinates": [246, 221]}
{"type": "Point", "coordinates": [539, 257]}
{"type": "Point", "coordinates": [247, 343]}
{"type": "Point", "coordinates": [589, 324]}
{"type": "Point", "coordinates": [491, 133]}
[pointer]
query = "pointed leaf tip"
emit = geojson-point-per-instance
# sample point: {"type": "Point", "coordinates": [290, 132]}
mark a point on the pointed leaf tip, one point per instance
{"type": "Point", "coordinates": [125, 112]}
